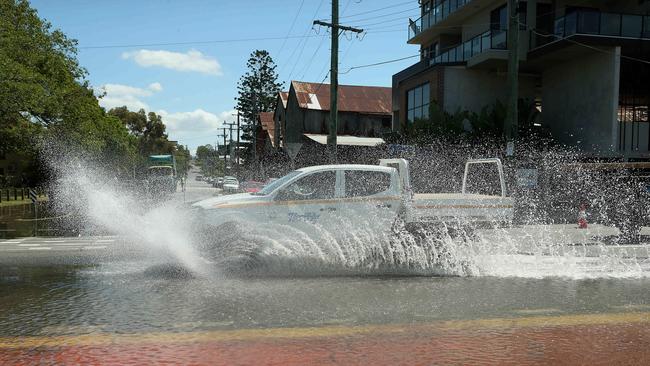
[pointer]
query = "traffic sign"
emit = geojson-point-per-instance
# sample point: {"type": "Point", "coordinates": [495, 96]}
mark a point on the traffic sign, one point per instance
{"type": "Point", "coordinates": [33, 196]}
{"type": "Point", "coordinates": [293, 148]}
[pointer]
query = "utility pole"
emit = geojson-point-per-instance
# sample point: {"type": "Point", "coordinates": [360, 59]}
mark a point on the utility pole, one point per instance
{"type": "Point", "coordinates": [511, 125]}
{"type": "Point", "coordinates": [334, 74]}
{"type": "Point", "coordinates": [225, 164]}
{"type": "Point", "coordinates": [230, 139]}
{"type": "Point", "coordinates": [254, 121]}
{"type": "Point", "coordinates": [238, 133]}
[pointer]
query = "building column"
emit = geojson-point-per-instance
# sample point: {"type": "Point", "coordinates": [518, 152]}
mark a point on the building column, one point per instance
{"type": "Point", "coordinates": [531, 21]}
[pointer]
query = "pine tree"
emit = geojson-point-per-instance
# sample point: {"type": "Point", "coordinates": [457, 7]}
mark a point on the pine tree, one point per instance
{"type": "Point", "coordinates": [258, 89]}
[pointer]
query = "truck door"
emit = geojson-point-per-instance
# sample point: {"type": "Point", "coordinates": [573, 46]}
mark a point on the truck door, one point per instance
{"type": "Point", "coordinates": [370, 198]}
{"type": "Point", "coordinates": [309, 203]}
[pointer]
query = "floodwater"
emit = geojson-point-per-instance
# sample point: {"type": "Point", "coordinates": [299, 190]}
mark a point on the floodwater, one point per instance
{"type": "Point", "coordinates": [131, 297]}
{"type": "Point", "coordinates": [46, 310]}
{"type": "Point", "coordinates": [524, 296]}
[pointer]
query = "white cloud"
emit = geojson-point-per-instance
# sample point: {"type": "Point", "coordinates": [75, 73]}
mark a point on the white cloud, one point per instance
{"type": "Point", "coordinates": [156, 87]}
{"type": "Point", "coordinates": [118, 95]}
{"type": "Point", "coordinates": [195, 122]}
{"type": "Point", "coordinates": [197, 127]}
{"type": "Point", "coordinates": [192, 60]}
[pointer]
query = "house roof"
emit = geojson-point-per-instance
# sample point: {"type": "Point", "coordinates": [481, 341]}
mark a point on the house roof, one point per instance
{"type": "Point", "coordinates": [352, 98]}
{"type": "Point", "coordinates": [268, 124]}
{"type": "Point", "coordinates": [284, 97]}
{"type": "Point", "coordinates": [266, 120]}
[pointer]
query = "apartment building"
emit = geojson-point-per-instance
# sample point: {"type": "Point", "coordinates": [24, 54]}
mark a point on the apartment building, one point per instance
{"type": "Point", "coordinates": [584, 63]}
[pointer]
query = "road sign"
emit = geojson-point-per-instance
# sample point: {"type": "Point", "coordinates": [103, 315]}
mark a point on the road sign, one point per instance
{"type": "Point", "coordinates": [293, 148]}
{"type": "Point", "coordinates": [33, 196]}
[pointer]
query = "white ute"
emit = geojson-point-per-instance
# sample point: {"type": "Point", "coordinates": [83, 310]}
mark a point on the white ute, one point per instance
{"type": "Point", "coordinates": [332, 197]}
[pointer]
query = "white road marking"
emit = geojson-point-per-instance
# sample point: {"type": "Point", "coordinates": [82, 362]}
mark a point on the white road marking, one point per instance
{"type": "Point", "coordinates": [54, 241]}
{"type": "Point", "coordinates": [28, 245]}
{"type": "Point", "coordinates": [94, 247]}
{"type": "Point", "coordinates": [41, 248]}
{"type": "Point", "coordinates": [105, 241]}
{"type": "Point", "coordinates": [73, 244]}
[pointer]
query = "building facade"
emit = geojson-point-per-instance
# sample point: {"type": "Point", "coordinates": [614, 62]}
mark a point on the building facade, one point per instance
{"type": "Point", "coordinates": [279, 116]}
{"type": "Point", "coordinates": [364, 111]}
{"type": "Point", "coordinates": [583, 63]}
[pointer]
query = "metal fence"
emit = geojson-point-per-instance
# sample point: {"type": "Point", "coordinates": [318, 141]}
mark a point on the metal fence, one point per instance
{"type": "Point", "coordinates": [492, 39]}
{"type": "Point", "coordinates": [19, 194]}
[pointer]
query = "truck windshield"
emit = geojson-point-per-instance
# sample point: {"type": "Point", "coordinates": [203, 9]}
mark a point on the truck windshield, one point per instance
{"type": "Point", "coordinates": [275, 184]}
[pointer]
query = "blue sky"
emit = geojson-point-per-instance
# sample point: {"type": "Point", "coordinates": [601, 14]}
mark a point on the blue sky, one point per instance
{"type": "Point", "coordinates": [193, 85]}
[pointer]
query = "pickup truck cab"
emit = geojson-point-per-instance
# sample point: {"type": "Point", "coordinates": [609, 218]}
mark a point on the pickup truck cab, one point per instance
{"type": "Point", "coordinates": [336, 197]}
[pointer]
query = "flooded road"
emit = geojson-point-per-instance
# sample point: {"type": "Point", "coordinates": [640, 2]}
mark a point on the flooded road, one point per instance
{"type": "Point", "coordinates": [131, 311]}
{"type": "Point", "coordinates": [533, 295]}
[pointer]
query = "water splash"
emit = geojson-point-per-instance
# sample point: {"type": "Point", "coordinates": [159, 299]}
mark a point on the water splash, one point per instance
{"type": "Point", "coordinates": [100, 204]}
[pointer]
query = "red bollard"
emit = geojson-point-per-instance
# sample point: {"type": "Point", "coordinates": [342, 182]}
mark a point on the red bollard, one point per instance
{"type": "Point", "coordinates": [582, 217]}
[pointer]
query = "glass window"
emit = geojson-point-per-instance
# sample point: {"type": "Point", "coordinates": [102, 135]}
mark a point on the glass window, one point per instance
{"type": "Point", "coordinates": [418, 103]}
{"type": "Point", "coordinates": [425, 95]}
{"type": "Point", "coordinates": [499, 18]}
{"type": "Point", "coordinates": [360, 183]}
{"type": "Point", "coordinates": [268, 189]}
{"type": "Point", "coordinates": [418, 97]}
{"type": "Point", "coordinates": [610, 24]}
{"type": "Point", "coordinates": [316, 186]}
{"type": "Point", "coordinates": [632, 26]}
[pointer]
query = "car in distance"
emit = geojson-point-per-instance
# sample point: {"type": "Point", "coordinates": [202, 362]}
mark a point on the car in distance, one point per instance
{"type": "Point", "coordinates": [252, 186]}
{"type": "Point", "coordinates": [230, 185]}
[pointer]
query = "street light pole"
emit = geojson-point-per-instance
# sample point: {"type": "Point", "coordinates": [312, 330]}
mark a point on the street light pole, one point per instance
{"type": "Point", "coordinates": [511, 125]}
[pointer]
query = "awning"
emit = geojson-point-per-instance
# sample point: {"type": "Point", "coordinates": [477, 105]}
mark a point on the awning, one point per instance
{"type": "Point", "coordinates": [347, 140]}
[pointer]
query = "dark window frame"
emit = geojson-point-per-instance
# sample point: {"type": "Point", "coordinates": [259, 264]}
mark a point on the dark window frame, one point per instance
{"type": "Point", "coordinates": [420, 110]}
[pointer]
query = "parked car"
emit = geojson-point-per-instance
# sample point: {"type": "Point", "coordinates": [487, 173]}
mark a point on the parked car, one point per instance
{"type": "Point", "coordinates": [199, 178]}
{"type": "Point", "coordinates": [218, 182]}
{"type": "Point", "coordinates": [252, 186]}
{"type": "Point", "coordinates": [230, 185]}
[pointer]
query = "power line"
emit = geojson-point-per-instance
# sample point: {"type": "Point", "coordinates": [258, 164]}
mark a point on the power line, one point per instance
{"type": "Point", "coordinates": [305, 35]}
{"type": "Point", "coordinates": [382, 16]}
{"type": "Point", "coordinates": [379, 63]}
{"type": "Point", "coordinates": [315, 52]}
{"type": "Point", "coordinates": [587, 46]}
{"type": "Point", "coordinates": [291, 28]}
{"type": "Point", "coordinates": [195, 42]}
{"type": "Point", "coordinates": [376, 10]}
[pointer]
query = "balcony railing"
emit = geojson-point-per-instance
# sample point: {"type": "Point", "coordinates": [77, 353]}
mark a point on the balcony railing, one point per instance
{"type": "Point", "coordinates": [435, 15]}
{"type": "Point", "coordinates": [583, 22]}
{"type": "Point", "coordinates": [490, 40]}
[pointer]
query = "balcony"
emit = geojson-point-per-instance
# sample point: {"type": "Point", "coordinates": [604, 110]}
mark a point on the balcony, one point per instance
{"type": "Point", "coordinates": [490, 40]}
{"type": "Point", "coordinates": [593, 23]}
{"type": "Point", "coordinates": [434, 16]}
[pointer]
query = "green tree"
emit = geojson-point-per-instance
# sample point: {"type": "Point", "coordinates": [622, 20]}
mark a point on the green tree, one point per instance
{"type": "Point", "coordinates": [44, 94]}
{"type": "Point", "coordinates": [148, 128]}
{"type": "Point", "coordinates": [208, 159]}
{"type": "Point", "coordinates": [257, 89]}
{"type": "Point", "coordinates": [183, 157]}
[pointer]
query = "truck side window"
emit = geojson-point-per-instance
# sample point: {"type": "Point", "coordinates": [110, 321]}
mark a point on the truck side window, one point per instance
{"type": "Point", "coordinates": [316, 186]}
{"type": "Point", "coordinates": [362, 183]}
